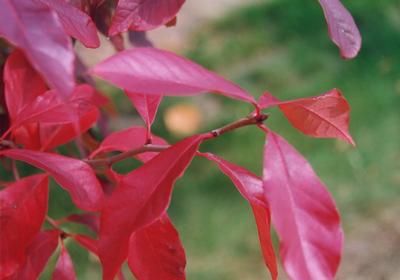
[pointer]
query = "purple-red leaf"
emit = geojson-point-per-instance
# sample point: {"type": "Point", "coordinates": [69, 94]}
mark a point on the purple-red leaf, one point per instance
{"type": "Point", "coordinates": [36, 29]}
{"type": "Point", "coordinates": [64, 269]}
{"type": "Point", "coordinates": [303, 213]}
{"type": "Point", "coordinates": [75, 22]}
{"type": "Point", "coordinates": [74, 175]}
{"type": "Point", "coordinates": [142, 15]}
{"type": "Point", "coordinates": [141, 198]}
{"type": "Point", "coordinates": [146, 106]}
{"type": "Point", "coordinates": [23, 206]}
{"type": "Point", "coordinates": [159, 72]}
{"type": "Point", "coordinates": [126, 140]}
{"type": "Point", "coordinates": [251, 188]}
{"type": "Point", "coordinates": [342, 28]}
{"type": "Point", "coordinates": [323, 116]}
{"type": "Point", "coordinates": [156, 252]}
{"type": "Point", "coordinates": [37, 255]}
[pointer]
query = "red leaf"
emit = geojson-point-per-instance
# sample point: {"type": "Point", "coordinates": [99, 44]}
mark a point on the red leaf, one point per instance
{"type": "Point", "coordinates": [23, 206]}
{"type": "Point", "coordinates": [22, 83]}
{"type": "Point", "coordinates": [34, 28]}
{"type": "Point", "coordinates": [146, 106]}
{"type": "Point", "coordinates": [158, 72]}
{"type": "Point", "coordinates": [342, 28]}
{"type": "Point", "coordinates": [64, 269]}
{"type": "Point", "coordinates": [38, 253]}
{"type": "Point", "coordinates": [303, 213]}
{"type": "Point", "coordinates": [126, 140]}
{"type": "Point", "coordinates": [75, 22]}
{"type": "Point", "coordinates": [250, 187]}
{"type": "Point", "coordinates": [156, 252]}
{"type": "Point", "coordinates": [140, 199]}
{"type": "Point", "coordinates": [142, 15]}
{"type": "Point", "coordinates": [323, 116]}
{"type": "Point", "coordinates": [75, 176]}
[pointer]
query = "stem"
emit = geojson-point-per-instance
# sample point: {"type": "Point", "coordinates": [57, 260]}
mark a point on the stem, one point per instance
{"type": "Point", "coordinates": [53, 223]}
{"type": "Point", "coordinates": [253, 119]}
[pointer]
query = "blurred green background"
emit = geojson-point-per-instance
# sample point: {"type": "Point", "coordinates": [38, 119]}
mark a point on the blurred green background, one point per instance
{"type": "Point", "coordinates": [283, 47]}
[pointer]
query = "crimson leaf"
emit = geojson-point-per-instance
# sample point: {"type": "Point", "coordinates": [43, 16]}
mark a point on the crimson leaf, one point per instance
{"type": "Point", "coordinates": [303, 213]}
{"type": "Point", "coordinates": [342, 28]}
{"type": "Point", "coordinates": [142, 15]}
{"type": "Point", "coordinates": [36, 29]}
{"type": "Point", "coordinates": [156, 252]}
{"type": "Point", "coordinates": [323, 116]}
{"type": "Point", "coordinates": [141, 198]}
{"type": "Point", "coordinates": [75, 176]}
{"type": "Point", "coordinates": [250, 187]}
{"type": "Point", "coordinates": [159, 72]}
{"type": "Point", "coordinates": [23, 206]}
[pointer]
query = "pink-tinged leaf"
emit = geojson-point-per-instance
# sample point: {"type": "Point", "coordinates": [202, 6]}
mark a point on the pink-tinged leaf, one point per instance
{"type": "Point", "coordinates": [64, 269]}
{"type": "Point", "coordinates": [86, 242]}
{"type": "Point", "coordinates": [156, 252]}
{"type": "Point", "coordinates": [142, 15]}
{"type": "Point", "coordinates": [159, 72]}
{"type": "Point", "coordinates": [37, 255]}
{"type": "Point", "coordinates": [268, 100]}
{"type": "Point", "coordinates": [128, 139]}
{"type": "Point", "coordinates": [251, 188]}
{"type": "Point", "coordinates": [323, 116]}
{"type": "Point", "coordinates": [74, 175]}
{"type": "Point", "coordinates": [23, 206]}
{"type": "Point", "coordinates": [146, 106]}
{"type": "Point", "coordinates": [342, 28]}
{"type": "Point", "coordinates": [92, 221]}
{"type": "Point", "coordinates": [75, 22]}
{"type": "Point", "coordinates": [22, 83]}
{"type": "Point", "coordinates": [141, 198]}
{"type": "Point", "coordinates": [303, 213]}
{"type": "Point", "coordinates": [36, 29]}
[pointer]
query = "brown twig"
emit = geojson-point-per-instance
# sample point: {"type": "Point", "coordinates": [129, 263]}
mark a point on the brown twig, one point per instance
{"type": "Point", "coordinates": [253, 119]}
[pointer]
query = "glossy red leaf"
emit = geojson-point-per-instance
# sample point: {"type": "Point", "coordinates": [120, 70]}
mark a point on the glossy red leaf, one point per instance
{"type": "Point", "coordinates": [22, 83]}
{"type": "Point", "coordinates": [156, 252]}
{"type": "Point", "coordinates": [342, 28]}
{"type": "Point", "coordinates": [64, 269]}
{"type": "Point", "coordinates": [75, 22]}
{"type": "Point", "coordinates": [303, 213]}
{"type": "Point", "coordinates": [126, 140]}
{"type": "Point", "coordinates": [251, 188]}
{"type": "Point", "coordinates": [323, 116]}
{"type": "Point", "coordinates": [74, 175]}
{"type": "Point", "coordinates": [36, 29]}
{"type": "Point", "coordinates": [146, 106]}
{"type": "Point", "coordinates": [142, 15]}
{"type": "Point", "coordinates": [37, 255]}
{"type": "Point", "coordinates": [23, 206]}
{"type": "Point", "coordinates": [159, 72]}
{"type": "Point", "coordinates": [141, 198]}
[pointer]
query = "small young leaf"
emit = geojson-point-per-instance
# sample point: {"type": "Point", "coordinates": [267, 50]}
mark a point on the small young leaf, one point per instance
{"type": "Point", "coordinates": [64, 269]}
{"type": "Point", "coordinates": [158, 72]}
{"type": "Point", "coordinates": [141, 198]}
{"type": "Point", "coordinates": [251, 188]}
{"type": "Point", "coordinates": [323, 116]}
{"type": "Point", "coordinates": [34, 28]}
{"type": "Point", "coordinates": [342, 28]}
{"type": "Point", "coordinates": [303, 213]}
{"type": "Point", "coordinates": [73, 175]}
{"type": "Point", "coordinates": [156, 252]}
{"type": "Point", "coordinates": [23, 206]}
{"type": "Point", "coordinates": [142, 15]}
